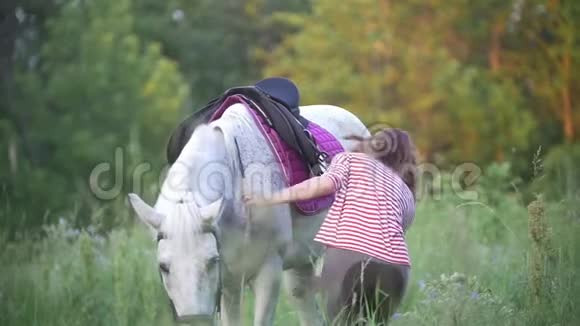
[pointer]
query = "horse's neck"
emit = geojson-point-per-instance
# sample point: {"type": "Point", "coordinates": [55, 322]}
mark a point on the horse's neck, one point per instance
{"type": "Point", "coordinates": [247, 150]}
{"type": "Point", "coordinates": [201, 171]}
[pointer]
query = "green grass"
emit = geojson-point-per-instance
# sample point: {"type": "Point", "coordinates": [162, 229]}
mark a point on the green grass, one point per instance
{"type": "Point", "coordinates": [73, 277]}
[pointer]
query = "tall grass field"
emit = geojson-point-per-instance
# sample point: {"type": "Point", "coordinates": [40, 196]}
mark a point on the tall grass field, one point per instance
{"type": "Point", "coordinates": [475, 262]}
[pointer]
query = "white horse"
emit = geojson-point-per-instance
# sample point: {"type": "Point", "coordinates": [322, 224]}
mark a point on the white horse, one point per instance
{"type": "Point", "coordinates": [208, 241]}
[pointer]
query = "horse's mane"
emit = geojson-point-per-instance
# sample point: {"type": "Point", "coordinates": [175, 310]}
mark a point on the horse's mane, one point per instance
{"type": "Point", "coordinates": [204, 140]}
{"type": "Point", "coordinates": [204, 146]}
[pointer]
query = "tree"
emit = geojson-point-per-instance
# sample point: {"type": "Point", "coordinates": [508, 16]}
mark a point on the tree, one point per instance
{"type": "Point", "coordinates": [405, 63]}
{"type": "Point", "coordinates": [213, 41]}
{"type": "Point", "coordinates": [545, 59]}
{"type": "Point", "coordinates": [96, 87]}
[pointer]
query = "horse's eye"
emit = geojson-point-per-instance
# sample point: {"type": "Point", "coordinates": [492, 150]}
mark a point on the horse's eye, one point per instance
{"type": "Point", "coordinates": [164, 267]}
{"type": "Point", "coordinates": [212, 262]}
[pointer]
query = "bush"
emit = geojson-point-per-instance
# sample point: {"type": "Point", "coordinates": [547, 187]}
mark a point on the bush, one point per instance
{"type": "Point", "coordinates": [76, 277]}
{"type": "Point", "coordinates": [497, 181]}
{"type": "Point", "coordinates": [73, 276]}
{"type": "Point", "coordinates": [458, 300]}
{"type": "Point", "coordinates": [560, 178]}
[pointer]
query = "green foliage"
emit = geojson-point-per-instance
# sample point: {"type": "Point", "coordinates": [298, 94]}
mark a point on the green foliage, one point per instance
{"type": "Point", "coordinates": [209, 39]}
{"type": "Point", "coordinates": [78, 277]}
{"type": "Point", "coordinates": [120, 81]}
{"type": "Point", "coordinates": [395, 63]}
{"type": "Point", "coordinates": [498, 182]}
{"type": "Point", "coordinates": [560, 178]}
{"type": "Point", "coordinates": [84, 78]}
{"type": "Point", "coordinates": [488, 114]}
{"type": "Point", "coordinates": [455, 300]}
{"type": "Point", "coordinates": [213, 41]}
{"type": "Point", "coordinates": [541, 251]}
{"type": "Point", "coordinates": [543, 57]}
{"type": "Point", "coordinates": [448, 238]}
{"type": "Point", "coordinates": [478, 81]}
{"type": "Point", "coordinates": [98, 87]}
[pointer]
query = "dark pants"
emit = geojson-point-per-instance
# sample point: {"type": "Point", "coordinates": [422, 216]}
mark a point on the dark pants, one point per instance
{"type": "Point", "coordinates": [357, 285]}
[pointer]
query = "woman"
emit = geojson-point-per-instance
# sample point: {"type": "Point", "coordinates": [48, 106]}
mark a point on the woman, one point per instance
{"type": "Point", "coordinates": [366, 263]}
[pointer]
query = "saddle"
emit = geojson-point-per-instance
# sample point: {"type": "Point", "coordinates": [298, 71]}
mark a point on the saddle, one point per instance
{"type": "Point", "coordinates": [276, 100]}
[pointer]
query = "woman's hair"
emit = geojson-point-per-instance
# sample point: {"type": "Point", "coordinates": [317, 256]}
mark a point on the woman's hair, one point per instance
{"type": "Point", "coordinates": [394, 148]}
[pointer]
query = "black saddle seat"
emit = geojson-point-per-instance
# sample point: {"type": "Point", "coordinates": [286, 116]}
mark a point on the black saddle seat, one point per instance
{"type": "Point", "coordinates": [277, 101]}
{"type": "Point", "coordinates": [282, 90]}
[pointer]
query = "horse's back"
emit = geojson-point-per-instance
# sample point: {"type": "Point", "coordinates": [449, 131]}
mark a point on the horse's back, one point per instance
{"type": "Point", "coordinates": [338, 121]}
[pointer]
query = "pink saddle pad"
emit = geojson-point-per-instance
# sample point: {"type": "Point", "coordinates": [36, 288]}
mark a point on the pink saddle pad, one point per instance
{"type": "Point", "coordinates": [293, 166]}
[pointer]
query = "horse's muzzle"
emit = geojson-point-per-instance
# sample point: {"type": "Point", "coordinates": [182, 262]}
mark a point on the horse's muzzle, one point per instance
{"type": "Point", "coordinates": [200, 320]}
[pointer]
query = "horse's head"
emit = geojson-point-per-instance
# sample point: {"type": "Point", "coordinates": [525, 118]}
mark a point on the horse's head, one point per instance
{"type": "Point", "coordinates": [188, 254]}
{"type": "Point", "coordinates": [185, 221]}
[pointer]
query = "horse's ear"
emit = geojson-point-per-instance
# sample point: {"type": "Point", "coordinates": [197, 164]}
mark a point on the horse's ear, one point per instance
{"type": "Point", "coordinates": [146, 213]}
{"type": "Point", "coordinates": [213, 210]}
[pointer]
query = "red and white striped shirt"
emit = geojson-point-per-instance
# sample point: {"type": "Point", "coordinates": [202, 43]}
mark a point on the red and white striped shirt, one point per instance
{"type": "Point", "coordinates": [372, 209]}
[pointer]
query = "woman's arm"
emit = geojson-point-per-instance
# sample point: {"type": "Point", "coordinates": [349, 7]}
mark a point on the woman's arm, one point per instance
{"type": "Point", "coordinates": [308, 189]}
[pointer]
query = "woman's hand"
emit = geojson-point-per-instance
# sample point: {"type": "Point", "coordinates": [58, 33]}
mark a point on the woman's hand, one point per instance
{"type": "Point", "coordinates": [256, 200]}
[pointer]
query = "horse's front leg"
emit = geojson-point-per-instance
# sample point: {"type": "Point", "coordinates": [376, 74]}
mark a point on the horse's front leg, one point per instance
{"type": "Point", "coordinates": [301, 286]}
{"type": "Point", "coordinates": [267, 291]}
{"type": "Point", "coordinates": [230, 304]}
